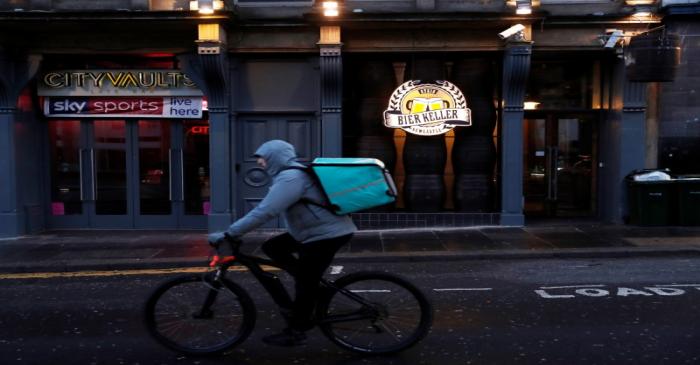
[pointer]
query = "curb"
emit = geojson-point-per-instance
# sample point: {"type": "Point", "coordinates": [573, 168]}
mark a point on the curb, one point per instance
{"type": "Point", "coordinates": [365, 257]}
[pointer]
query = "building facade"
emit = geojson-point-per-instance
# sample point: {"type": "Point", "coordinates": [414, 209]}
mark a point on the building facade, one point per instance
{"type": "Point", "coordinates": [136, 114]}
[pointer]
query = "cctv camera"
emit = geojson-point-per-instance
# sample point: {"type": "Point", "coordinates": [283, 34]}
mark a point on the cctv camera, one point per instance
{"type": "Point", "coordinates": [518, 28]}
{"type": "Point", "coordinates": [614, 38]}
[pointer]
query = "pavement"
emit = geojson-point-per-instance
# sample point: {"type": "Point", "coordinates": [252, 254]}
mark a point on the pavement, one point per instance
{"type": "Point", "coordinates": [67, 251]}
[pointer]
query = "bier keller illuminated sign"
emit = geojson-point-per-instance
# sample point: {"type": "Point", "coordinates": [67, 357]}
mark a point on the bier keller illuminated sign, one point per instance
{"type": "Point", "coordinates": [427, 109]}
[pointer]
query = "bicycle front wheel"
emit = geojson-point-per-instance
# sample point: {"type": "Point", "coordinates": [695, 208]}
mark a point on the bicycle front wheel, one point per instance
{"type": "Point", "coordinates": [193, 315]}
{"type": "Point", "coordinates": [375, 313]}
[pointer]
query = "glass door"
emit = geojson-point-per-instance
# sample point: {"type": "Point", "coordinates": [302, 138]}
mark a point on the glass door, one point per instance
{"type": "Point", "coordinates": [154, 158]}
{"type": "Point", "coordinates": [68, 157]}
{"type": "Point", "coordinates": [129, 173]}
{"type": "Point", "coordinates": [109, 171]}
{"type": "Point", "coordinates": [194, 173]}
{"type": "Point", "coordinates": [559, 155]}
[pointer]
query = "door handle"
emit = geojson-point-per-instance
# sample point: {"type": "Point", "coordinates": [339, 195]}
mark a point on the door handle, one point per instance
{"type": "Point", "coordinates": [170, 174]}
{"type": "Point", "coordinates": [182, 176]}
{"type": "Point", "coordinates": [80, 173]}
{"type": "Point", "coordinates": [93, 163]}
{"type": "Point", "coordinates": [548, 172]}
{"type": "Point", "coordinates": [554, 178]}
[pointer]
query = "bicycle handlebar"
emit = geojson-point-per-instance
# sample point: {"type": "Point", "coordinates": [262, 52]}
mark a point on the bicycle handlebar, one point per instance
{"type": "Point", "coordinates": [233, 243]}
{"type": "Point", "coordinates": [229, 250]}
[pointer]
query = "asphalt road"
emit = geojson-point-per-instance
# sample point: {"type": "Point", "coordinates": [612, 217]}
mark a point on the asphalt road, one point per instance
{"type": "Point", "coordinates": [618, 311]}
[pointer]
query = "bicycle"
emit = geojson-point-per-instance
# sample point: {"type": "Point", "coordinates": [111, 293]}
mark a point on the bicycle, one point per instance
{"type": "Point", "coordinates": [369, 312]}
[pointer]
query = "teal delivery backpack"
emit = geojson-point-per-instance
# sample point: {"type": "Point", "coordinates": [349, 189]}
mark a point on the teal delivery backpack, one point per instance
{"type": "Point", "coordinates": [354, 184]}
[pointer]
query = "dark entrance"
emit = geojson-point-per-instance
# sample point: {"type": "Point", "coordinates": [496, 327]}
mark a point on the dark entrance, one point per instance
{"type": "Point", "coordinates": [559, 164]}
{"type": "Point", "coordinates": [131, 173]}
{"type": "Point", "coordinates": [301, 131]}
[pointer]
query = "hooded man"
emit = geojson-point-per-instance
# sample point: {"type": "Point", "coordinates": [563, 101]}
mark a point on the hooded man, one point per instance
{"type": "Point", "coordinates": [314, 233]}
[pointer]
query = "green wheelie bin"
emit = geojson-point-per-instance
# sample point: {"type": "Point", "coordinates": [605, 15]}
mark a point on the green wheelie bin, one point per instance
{"type": "Point", "coordinates": [688, 200]}
{"type": "Point", "coordinates": [650, 202]}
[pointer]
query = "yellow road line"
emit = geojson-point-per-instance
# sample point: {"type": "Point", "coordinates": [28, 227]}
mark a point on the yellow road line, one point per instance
{"type": "Point", "coordinates": [78, 274]}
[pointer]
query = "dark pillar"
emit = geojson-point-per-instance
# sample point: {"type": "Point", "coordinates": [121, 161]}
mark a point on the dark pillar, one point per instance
{"type": "Point", "coordinates": [15, 72]}
{"type": "Point", "coordinates": [331, 92]}
{"type": "Point", "coordinates": [516, 67]}
{"type": "Point", "coordinates": [209, 69]}
{"type": "Point", "coordinates": [631, 141]}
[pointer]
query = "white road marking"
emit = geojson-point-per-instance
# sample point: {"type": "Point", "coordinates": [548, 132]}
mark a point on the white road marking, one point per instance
{"type": "Point", "coordinates": [463, 289]}
{"type": "Point", "coordinates": [573, 286]}
{"type": "Point", "coordinates": [335, 270]}
{"type": "Point", "coordinates": [678, 285]}
{"type": "Point", "coordinates": [371, 291]}
{"type": "Point", "coordinates": [594, 291]}
{"type": "Point", "coordinates": [546, 295]}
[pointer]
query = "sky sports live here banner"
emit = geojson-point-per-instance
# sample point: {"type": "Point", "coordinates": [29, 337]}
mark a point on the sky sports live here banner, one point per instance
{"type": "Point", "coordinates": [141, 107]}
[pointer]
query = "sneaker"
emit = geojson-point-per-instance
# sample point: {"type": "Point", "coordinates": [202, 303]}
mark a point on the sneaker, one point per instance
{"type": "Point", "coordinates": [288, 337]}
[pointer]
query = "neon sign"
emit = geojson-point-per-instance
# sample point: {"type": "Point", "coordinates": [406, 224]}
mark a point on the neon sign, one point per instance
{"type": "Point", "coordinates": [199, 129]}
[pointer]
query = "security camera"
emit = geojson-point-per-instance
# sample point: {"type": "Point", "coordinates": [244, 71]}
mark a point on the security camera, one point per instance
{"type": "Point", "coordinates": [615, 37]}
{"type": "Point", "coordinates": [518, 28]}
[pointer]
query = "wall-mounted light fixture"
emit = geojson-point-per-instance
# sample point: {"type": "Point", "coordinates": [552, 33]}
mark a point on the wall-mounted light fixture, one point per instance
{"type": "Point", "coordinates": [206, 7]}
{"type": "Point", "coordinates": [530, 105]}
{"type": "Point", "coordinates": [210, 38]}
{"type": "Point", "coordinates": [331, 8]}
{"type": "Point", "coordinates": [523, 7]}
{"type": "Point", "coordinates": [643, 11]}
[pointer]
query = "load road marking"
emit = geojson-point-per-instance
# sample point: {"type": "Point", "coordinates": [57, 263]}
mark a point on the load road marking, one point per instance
{"type": "Point", "coordinates": [600, 291]}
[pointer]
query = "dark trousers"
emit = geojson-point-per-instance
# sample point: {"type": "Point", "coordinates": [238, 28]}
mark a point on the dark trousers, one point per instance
{"type": "Point", "coordinates": [307, 267]}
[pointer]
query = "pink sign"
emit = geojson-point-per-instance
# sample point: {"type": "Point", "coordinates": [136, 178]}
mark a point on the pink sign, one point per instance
{"type": "Point", "coordinates": [206, 208]}
{"type": "Point", "coordinates": [57, 208]}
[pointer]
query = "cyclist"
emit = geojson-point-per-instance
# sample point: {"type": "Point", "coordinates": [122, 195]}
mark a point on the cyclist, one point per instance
{"type": "Point", "coordinates": [314, 233]}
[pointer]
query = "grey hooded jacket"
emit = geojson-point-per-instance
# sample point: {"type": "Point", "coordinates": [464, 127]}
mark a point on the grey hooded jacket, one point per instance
{"type": "Point", "coordinates": [305, 222]}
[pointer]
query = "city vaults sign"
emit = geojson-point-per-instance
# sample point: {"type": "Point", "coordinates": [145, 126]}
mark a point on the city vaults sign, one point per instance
{"type": "Point", "coordinates": [427, 109]}
{"type": "Point", "coordinates": [120, 93]}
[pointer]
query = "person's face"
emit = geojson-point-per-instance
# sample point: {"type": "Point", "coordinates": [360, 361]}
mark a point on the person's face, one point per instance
{"type": "Point", "coordinates": [261, 162]}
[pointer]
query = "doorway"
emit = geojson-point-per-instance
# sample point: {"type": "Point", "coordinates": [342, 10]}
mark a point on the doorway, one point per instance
{"type": "Point", "coordinates": [128, 173]}
{"type": "Point", "coordinates": [253, 182]}
{"type": "Point", "coordinates": [559, 164]}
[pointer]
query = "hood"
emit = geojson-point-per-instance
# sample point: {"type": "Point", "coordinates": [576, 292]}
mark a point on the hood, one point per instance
{"type": "Point", "coordinates": [278, 154]}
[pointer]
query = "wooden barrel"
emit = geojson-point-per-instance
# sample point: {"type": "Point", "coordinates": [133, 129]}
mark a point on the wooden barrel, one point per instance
{"type": "Point", "coordinates": [380, 147]}
{"type": "Point", "coordinates": [370, 114]}
{"type": "Point", "coordinates": [424, 193]}
{"type": "Point", "coordinates": [473, 155]}
{"type": "Point", "coordinates": [474, 193]}
{"type": "Point", "coordinates": [483, 116]}
{"type": "Point", "coordinates": [424, 155]}
{"type": "Point", "coordinates": [653, 56]}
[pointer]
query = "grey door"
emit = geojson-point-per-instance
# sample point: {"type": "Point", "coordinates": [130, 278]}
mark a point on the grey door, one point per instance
{"type": "Point", "coordinates": [559, 164]}
{"type": "Point", "coordinates": [301, 131]}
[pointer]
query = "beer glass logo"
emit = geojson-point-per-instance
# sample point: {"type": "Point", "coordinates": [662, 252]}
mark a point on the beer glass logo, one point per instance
{"type": "Point", "coordinates": [427, 108]}
{"type": "Point", "coordinates": [419, 105]}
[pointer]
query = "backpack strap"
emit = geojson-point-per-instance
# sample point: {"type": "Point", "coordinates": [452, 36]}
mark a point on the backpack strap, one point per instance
{"type": "Point", "coordinates": [308, 171]}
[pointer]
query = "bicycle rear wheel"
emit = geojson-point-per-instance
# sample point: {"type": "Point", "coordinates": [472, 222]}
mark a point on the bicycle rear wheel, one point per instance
{"type": "Point", "coordinates": [192, 315]}
{"type": "Point", "coordinates": [375, 313]}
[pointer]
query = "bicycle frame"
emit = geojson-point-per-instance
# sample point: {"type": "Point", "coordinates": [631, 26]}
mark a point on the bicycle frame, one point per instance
{"type": "Point", "coordinates": [273, 285]}
{"type": "Point", "coordinates": [271, 282]}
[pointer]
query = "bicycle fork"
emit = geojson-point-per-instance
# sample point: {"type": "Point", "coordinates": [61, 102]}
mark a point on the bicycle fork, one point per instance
{"type": "Point", "coordinates": [214, 286]}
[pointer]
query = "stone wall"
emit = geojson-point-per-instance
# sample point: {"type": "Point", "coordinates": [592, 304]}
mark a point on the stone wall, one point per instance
{"type": "Point", "coordinates": [679, 105]}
